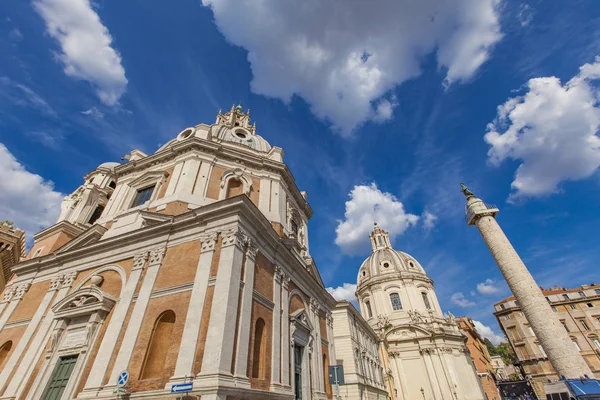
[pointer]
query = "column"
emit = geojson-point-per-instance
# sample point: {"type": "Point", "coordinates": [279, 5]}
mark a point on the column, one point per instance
{"type": "Point", "coordinates": [12, 297]}
{"type": "Point", "coordinates": [245, 324]}
{"type": "Point", "coordinates": [285, 332]}
{"type": "Point", "coordinates": [12, 361]}
{"type": "Point", "coordinates": [433, 378]}
{"type": "Point", "coordinates": [119, 312]}
{"type": "Point", "coordinates": [174, 179]}
{"type": "Point", "coordinates": [555, 341]}
{"type": "Point", "coordinates": [276, 343]}
{"type": "Point", "coordinates": [218, 351]}
{"type": "Point", "coordinates": [332, 357]}
{"type": "Point", "coordinates": [193, 319]}
{"type": "Point", "coordinates": [137, 316]}
{"type": "Point", "coordinates": [188, 176]}
{"type": "Point", "coordinates": [24, 369]}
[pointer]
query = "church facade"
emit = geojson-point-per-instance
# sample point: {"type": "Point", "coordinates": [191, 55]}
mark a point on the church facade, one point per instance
{"type": "Point", "coordinates": [423, 353]}
{"type": "Point", "coordinates": [187, 265]}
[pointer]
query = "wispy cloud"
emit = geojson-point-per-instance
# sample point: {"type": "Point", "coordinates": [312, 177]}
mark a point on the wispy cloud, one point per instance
{"type": "Point", "coordinates": [21, 95]}
{"type": "Point", "coordinates": [489, 287]}
{"type": "Point", "coordinates": [460, 300]}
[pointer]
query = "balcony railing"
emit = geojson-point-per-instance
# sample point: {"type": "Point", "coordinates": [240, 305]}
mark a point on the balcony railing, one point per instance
{"type": "Point", "coordinates": [469, 213]}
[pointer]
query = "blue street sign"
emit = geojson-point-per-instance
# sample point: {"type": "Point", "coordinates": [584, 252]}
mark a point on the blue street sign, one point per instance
{"type": "Point", "coordinates": [182, 387]}
{"type": "Point", "coordinates": [123, 378]}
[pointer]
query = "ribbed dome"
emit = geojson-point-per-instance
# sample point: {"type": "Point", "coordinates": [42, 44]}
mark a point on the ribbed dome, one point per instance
{"type": "Point", "coordinates": [241, 136]}
{"type": "Point", "coordinates": [387, 260]}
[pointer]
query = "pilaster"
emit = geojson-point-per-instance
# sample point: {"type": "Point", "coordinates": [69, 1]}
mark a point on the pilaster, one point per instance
{"type": "Point", "coordinates": [193, 320]}
{"type": "Point", "coordinates": [218, 353]}
{"type": "Point", "coordinates": [137, 316]}
{"type": "Point", "coordinates": [12, 296]}
{"type": "Point", "coordinates": [245, 317]}
{"type": "Point", "coordinates": [276, 347]}
{"type": "Point", "coordinates": [107, 347]}
{"type": "Point", "coordinates": [285, 331]}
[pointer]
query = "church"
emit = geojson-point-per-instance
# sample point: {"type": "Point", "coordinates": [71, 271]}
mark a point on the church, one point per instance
{"type": "Point", "coordinates": [189, 265]}
{"type": "Point", "coordinates": [423, 352]}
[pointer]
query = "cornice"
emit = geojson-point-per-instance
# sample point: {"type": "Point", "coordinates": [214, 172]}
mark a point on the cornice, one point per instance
{"type": "Point", "coordinates": [63, 226]}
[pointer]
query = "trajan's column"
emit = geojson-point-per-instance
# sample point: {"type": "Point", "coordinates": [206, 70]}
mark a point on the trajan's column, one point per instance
{"type": "Point", "coordinates": [555, 341]}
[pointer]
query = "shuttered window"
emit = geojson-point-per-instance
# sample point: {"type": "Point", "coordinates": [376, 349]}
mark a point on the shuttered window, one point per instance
{"type": "Point", "coordinates": [60, 378]}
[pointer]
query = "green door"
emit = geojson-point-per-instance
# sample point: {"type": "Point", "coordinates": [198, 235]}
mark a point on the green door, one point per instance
{"type": "Point", "coordinates": [60, 378]}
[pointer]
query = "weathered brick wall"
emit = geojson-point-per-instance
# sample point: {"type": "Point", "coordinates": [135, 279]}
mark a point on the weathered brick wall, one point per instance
{"type": "Point", "coordinates": [179, 265]}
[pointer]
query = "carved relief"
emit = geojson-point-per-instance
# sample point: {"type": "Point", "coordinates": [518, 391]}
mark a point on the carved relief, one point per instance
{"type": "Point", "coordinates": [209, 241]}
{"type": "Point", "coordinates": [314, 305]}
{"type": "Point", "coordinates": [285, 283]}
{"type": "Point", "coordinates": [278, 274]}
{"type": "Point", "coordinates": [426, 350]}
{"type": "Point", "coordinates": [156, 256]}
{"type": "Point", "coordinates": [139, 260]}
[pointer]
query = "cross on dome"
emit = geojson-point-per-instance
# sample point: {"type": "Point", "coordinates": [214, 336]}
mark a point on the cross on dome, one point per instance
{"type": "Point", "coordinates": [380, 239]}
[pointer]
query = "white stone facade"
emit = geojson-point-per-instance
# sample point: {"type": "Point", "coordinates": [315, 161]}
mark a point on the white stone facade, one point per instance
{"type": "Point", "coordinates": [423, 353]}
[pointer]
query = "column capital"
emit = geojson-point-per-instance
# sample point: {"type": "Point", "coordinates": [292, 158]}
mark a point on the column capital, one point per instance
{"type": "Point", "coordinates": [68, 279]}
{"type": "Point", "coordinates": [55, 282]}
{"type": "Point", "coordinates": [314, 305]}
{"type": "Point", "coordinates": [139, 260]}
{"type": "Point", "coordinates": [278, 274]}
{"type": "Point", "coordinates": [233, 237]}
{"type": "Point", "coordinates": [21, 290]}
{"type": "Point", "coordinates": [156, 255]}
{"type": "Point", "coordinates": [251, 249]}
{"type": "Point", "coordinates": [329, 319]}
{"type": "Point", "coordinates": [285, 282]}
{"type": "Point", "coordinates": [209, 241]}
{"type": "Point", "coordinates": [9, 293]}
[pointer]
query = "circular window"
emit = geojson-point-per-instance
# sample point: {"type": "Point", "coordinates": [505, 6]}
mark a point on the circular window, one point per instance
{"type": "Point", "coordinates": [411, 264]}
{"type": "Point", "coordinates": [364, 273]}
{"type": "Point", "coordinates": [241, 134]}
{"type": "Point", "coordinates": [186, 133]}
{"type": "Point", "coordinates": [386, 265]}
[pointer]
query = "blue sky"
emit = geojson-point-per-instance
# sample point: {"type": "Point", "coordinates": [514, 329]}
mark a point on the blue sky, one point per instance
{"type": "Point", "coordinates": [382, 108]}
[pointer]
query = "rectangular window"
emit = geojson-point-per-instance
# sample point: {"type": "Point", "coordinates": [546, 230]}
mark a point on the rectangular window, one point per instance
{"type": "Point", "coordinates": [60, 378]}
{"type": "Point", "coordinates": [142, 196]}
{"type": "Point", "coordinates": [426, 300]}
{"type": "Point", "coordinates": [395, 300]}
{"type": "Point", "coordinates": [590, 305]}
{"type": "Point", "coordinates": [542, 350]}
{"type": "Point", "coordinates": [566, 296]}
{"type": "Point", "coordinates": [554, 309]}
{"type": "Point", "coordinates": [548, 299]}
{"type": "Point", "coordinates": [597, 291]}
{"type": "Point", "coordinates": [502, 306]}
{"type": "Point", "coordinates": [573, 306]}
{"type": "Point", "coordinates": [581, 294]}
{"type": "Point", "coordinates": [584, 325]}
{"type": "Point", "coordinates": [565, 325]}
{"type": "Point", "coordinates": [576, 345]}
{"type": "Point", "coordinates": [596, 343]}
{"type": "Point", "coordinates": [530, 330]}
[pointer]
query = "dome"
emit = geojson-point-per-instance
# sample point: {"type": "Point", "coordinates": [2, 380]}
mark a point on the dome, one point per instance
{"type": "Point", "coordinates": [241, 135]}
{"type": "Point", "coordinates": [385, 259]}
{"type": "Point", "coordinates": [109, 165]}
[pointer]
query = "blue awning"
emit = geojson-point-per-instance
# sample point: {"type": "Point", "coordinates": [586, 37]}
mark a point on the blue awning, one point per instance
{"type": "Point", "coordinates": [584, 387]}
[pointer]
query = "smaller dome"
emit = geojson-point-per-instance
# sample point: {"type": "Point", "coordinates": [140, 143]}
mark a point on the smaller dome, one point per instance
{"type": "Point", "coordinates": [109, 165]}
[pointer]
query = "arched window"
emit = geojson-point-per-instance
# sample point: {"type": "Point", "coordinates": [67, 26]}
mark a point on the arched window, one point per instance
{"type": "Point", "coordinates": [156, 353]}
{"type": "Point", "coordinates": [426, 300]}
{"type": "Point", "coordinates": [369, 311]}
{"type": "Point", "coordinates": [4, 350]}
{"type": "Point", "coordinates": [259, 350]}
{"type": "Point", "coordinates": [235, 187]}
{"type": "Point", "coordinates": [396, 303]}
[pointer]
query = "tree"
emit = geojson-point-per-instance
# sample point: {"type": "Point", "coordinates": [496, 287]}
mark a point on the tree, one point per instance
{"type": "Point", "coordinates": [503, 350]}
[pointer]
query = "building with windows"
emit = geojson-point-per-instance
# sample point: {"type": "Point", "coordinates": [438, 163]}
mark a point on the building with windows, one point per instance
{"type": "Point", "coordinates": [12, 250]}
{"type": "Point", "coordinates": [481, 358]}
{"type": "Point", "coordinates": [357, 350]}
{"type": "Point", "coordinates": [578, 310]}
{"type": "Point", "coordinates": [424, 353]}
{"type": "Point", "coordinates": [189, 264]}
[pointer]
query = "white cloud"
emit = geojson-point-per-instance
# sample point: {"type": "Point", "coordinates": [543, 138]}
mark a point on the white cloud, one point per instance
{"type": "Point", "coordinates": [487, 332]}
{"type": "Point", "coordinates": [488, 287]}
{"type": "Point", "coordinates": [86, 46]}
{"type": "Point", "coordinates": [94, 112]}
{"type": "Point", "coordinates": [342, 58]}
{"type": "Point", "coordinates": [552, 130]}
{"type": "Point", "coordinates": [345, 292]}
{"type": "Point", "coordinates": [367, 205]}
{"type": "Point", "coordinates": [460, 300]}
{"type": "Point", "coordinates": [429, 220]}
{"type": "Point", "coordinates": [26, 198]}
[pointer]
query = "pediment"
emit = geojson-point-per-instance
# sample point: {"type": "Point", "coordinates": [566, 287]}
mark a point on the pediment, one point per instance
{"type": "Point", "coordinates": [150, 177]}
{"type": "Point", "coordinates": [153, 218]}
{"type": "Point", "coordinates": [408, 331]}
{"type": "Point", "coordinates": [84, 301]}
{"type": "Point", "coordinates": [92, 235]}
{"type": "Point", "coordinates": [300, 319]}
